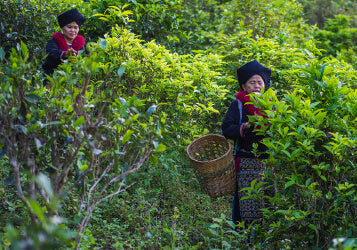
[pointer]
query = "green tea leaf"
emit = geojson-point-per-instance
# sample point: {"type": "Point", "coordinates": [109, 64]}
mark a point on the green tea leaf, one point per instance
{"type": "Point", "coordinates": [289, 183]}
{"type": "Point", "coordinates": [160, 148]}
{"type": "Point", "coordinates": [79, 121]}
{"type": "Point", "coordinates": [127, 136]}
{"type": "Point", "coordinates": [36, 209]}
{"type": "Point", "coordinates": [103, 43]}
{"type": "Point", "coordinates": [150, 111]}
{"type": "Point", "coordinates": [121, 71]}
{"type": "Point", "coordinates": [2, 54]}
{"type": "Point", "coordinates": [45, 183]}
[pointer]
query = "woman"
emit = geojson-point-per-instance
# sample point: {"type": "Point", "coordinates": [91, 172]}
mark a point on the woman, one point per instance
{"type": "Point", "coordinates": [65, 44]}
{"type": "Point", "coordinates": [252, 78]}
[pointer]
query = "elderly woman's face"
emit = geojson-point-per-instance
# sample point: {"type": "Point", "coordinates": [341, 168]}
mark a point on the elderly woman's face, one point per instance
{"type": "Point", "coordinates": [70, 31]}
{"type": "Point", "coordinates": [254, 84]}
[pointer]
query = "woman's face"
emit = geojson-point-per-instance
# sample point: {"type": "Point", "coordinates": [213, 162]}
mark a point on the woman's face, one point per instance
{"type": "Point", "coordinates": [254, 84]}
{"type": "Point", "coordinates": [70, 31]}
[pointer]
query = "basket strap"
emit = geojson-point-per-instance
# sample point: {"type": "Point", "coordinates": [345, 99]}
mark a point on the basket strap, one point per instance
{"type": "Point", "coordinates": [240, 108]}
{"type": "Point", "coordinates": [220, 172]}
{"type": "Point", "coordinates": [236, 147]}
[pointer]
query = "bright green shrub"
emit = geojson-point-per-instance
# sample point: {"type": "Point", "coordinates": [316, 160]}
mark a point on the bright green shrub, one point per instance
{"type": "Point", "coordinates": [185, 87]}
{"type": "Point", "coordinates": [61, 123]}
{"type": "Point", "coordinates": [271, 32]}
{"type": "Point", "coordinates": [152, 20]}
{"type": "Point", "coordinates": [242, 48]}
{"type": "Point", "coordinates": [318, 11]}
{"type": "Point", "coordinates": [312, 141]}
{"type": "Point", "coordinates": [337, 34]}
{"type": "Point", "coordinates": [262, 17]}
{"type": "Point", "coordinates": [71, 135]}
{"type": "Point", "coordinates": [349, 56]}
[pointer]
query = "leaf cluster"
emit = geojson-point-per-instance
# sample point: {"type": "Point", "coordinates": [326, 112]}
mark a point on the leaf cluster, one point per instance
{"type": "Point", "coordinates": [312, 140]}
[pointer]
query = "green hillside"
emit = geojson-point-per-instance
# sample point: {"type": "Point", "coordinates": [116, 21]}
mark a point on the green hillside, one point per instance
{"type": "Point", "coordinates": [99, 159]}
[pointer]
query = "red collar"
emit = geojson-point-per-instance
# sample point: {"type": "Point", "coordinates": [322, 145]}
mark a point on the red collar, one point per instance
{"type": "Point", "coordinates": [77, 43]}
{"type": "Point", "coordinates": [245, 99]}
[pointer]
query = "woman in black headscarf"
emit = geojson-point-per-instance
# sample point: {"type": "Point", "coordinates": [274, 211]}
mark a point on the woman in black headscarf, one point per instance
{"type": "Point", "coordinates": [252, 78]}
{"type": "Point", "coordinates": [65, 44]}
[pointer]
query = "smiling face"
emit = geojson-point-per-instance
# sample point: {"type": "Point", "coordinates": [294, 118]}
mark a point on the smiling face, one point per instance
{"type": "Point", "coordinates": [254, 84]}
{"type": "Point", "coordinates": [70, 31]}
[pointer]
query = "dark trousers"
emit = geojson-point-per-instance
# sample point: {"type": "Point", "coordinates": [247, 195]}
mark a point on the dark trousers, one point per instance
{"type": "Point", "coordinates": [236, 211]}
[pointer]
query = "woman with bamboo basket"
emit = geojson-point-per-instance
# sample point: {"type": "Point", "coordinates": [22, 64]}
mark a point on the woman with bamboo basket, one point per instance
{"type": "Point", "coordinates": [252, 78]}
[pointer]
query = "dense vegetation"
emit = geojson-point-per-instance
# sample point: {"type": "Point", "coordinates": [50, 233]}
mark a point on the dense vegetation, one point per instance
{"type": "Point", "coordinates": [98, 159]}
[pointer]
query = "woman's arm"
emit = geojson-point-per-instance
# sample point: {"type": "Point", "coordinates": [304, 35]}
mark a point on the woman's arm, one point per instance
{"type": "Point", "coordinates": [53, 51]}
{"type": "Point", "coordinates": [231, 123]}
{"type": "Point", "coordinates": [249, 138]}
{"type": "Point", "coordinates": [53, 58]}
{"type": "Point", "coordinates": [233, 128]}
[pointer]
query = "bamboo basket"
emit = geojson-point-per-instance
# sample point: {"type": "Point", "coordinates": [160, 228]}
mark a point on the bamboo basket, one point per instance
{"type": "Point", "coordinates": [211, 157]}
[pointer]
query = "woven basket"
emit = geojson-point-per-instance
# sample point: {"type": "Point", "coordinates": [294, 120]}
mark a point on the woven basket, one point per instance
{"type": "Point", "coordinates": [211, 157]}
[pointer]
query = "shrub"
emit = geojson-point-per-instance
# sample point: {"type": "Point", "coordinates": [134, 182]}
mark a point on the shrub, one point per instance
{"type": "Point", "coordinates": [185, 87]}
{"type": "Point", "coordinates": [312, 141]}
{"type": "Point", "coordinates": [72, 135]}
{"type": "Point", "coordinates": [337, 34]}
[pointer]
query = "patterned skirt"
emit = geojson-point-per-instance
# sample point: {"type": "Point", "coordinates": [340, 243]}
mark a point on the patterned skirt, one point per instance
{"type": "Point", "coordinates": [250, 169]}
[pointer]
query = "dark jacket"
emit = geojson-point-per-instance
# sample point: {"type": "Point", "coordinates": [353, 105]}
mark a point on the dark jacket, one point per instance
{"type": "Point", "coordinates": [231, 130]}
{"type": "Point", "coordinates": [53, 58]}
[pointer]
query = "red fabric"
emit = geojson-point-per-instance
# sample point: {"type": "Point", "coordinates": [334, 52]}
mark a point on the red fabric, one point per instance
{"type": "Point", "coordinates": [252, 110]}
{"type": "Point", "coordinates": [237, 161]}
{"type": "Point", "coordinates": [77, 43]}
{"type": "Point", "coordinates": [245, 99]}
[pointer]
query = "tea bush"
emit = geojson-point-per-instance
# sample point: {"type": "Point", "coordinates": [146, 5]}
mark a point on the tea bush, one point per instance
{"type": "Point", "coordinates": [63, 137]}
{"type": "Point", "coordinates": [337, 34]}
{"type": "Point", "coordinates": [185, 87]}
{"type": "Point", "coordinates": [318, 11]}
{"type": "Point", "coordinates": [78, 137]}
{"type": "Point", "coordinates": [312, 142]}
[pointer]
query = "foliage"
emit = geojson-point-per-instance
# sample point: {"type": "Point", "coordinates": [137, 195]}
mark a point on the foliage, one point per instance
{"type": "Point", "coordinates": [77, 136]}
{"type": "Point", "coordinates": [312, 141]}
{"type": "Point", "coordinates": [348, 55]}
{"type": "Point", "coordinates": [49, 232]}
{"type": "Point", "coordinates": [318, 11]}
{"type": "Point", "coordinates": [186, 86]}
{"type": "Point", "coordinates": [179, 25]}
{"type": "Point", "coordinates": [337, 35]}
{"type": "Point", "coordinates": [226, 234]}
{"type": "Point", "coordinates": [161, 73]}
{"type": "Point", "coordinates": [84, 122]}
{"type": "Point", "coordinates": [261, 17]}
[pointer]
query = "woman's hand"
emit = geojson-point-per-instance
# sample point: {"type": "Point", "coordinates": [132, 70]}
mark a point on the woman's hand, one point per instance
{"type": "Point", "coordinates": [243, 128]}
{"type": "Point", "coordinates": [70, 52]}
